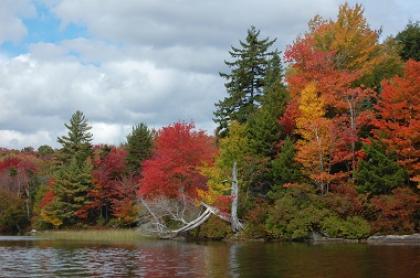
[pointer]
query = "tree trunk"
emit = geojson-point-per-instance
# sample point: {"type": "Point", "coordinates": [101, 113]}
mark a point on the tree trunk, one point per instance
{"type": "Point", "coordinates": [235, 223]}
{"type": "Point", "coordinates": [28, 203]}
{"type": "Point", "coordinates": [354, 134]}
{"type": "Point", "coordinates": [157, 222]}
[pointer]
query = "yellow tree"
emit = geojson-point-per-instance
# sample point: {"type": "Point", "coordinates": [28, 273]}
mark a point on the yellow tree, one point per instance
{"type": "Point", "coordinates": [234, 147]}
{"type": "Point", "coordinates": [316, 146]}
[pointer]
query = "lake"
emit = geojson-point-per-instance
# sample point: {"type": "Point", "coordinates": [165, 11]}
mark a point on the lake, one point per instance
{"type": "Point", "coordinates": [30, 257]}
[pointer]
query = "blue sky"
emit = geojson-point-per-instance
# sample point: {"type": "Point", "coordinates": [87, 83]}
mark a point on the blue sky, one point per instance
{"type": "Point", "coordinates": [43, 27]}
{"type": "Point", "coordinates": [130, 61]}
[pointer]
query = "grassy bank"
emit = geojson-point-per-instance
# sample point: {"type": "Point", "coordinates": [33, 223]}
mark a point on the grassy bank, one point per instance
{"type": "Point", "coordinates": [117, 235]}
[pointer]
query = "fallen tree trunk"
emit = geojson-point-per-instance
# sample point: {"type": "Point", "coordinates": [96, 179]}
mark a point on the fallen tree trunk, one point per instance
{"type": "Point", "coordinates": [203, 217]}
{"type": "Point", "coordinates": [232, 218]}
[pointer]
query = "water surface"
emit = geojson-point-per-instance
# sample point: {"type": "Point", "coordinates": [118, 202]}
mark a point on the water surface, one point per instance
{"type": "Point", "coordinates": [31, 257]}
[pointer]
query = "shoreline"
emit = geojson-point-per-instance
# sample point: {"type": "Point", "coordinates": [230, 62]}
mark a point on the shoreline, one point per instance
{"type": "Point", "coordinates": [413, 239]}
{"type": "Point", "coordinates": [133, 235]}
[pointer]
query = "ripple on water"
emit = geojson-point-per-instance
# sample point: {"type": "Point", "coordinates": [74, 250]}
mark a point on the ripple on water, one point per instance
{"type": "Point", "coordinates": [37, 258]}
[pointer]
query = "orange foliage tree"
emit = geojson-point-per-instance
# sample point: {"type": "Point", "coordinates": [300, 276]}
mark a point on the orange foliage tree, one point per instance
{"type": "Point", "coordinates": [339, 55]}
{"type": "Point", "coordinates": [315, 149]}
{"type": "Point", "coordinates": [399, 117]}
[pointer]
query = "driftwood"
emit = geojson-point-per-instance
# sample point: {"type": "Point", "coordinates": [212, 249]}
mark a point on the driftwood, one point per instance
{"type": "Point", "coordinates": [176, 211]}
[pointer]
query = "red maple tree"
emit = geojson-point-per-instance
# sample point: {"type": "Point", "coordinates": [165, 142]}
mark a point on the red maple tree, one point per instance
{"type": "Point", "coordinates": [107, 176]}
{"type": "Point", "coordinates": [174, 169]}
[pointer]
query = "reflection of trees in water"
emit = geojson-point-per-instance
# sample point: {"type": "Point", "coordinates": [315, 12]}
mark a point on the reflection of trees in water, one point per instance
{"type": "Point", "coordinates": [234, 265]}
{"type": "Point", "coordinates": [209, 259]}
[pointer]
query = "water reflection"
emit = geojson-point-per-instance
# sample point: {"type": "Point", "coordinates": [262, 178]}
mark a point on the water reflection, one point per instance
{"type": "Point", "coordinates": [26, 258]}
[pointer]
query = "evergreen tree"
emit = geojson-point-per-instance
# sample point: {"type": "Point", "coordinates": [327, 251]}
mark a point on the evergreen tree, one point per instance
{"type": "Point", "coordinates": [139, 147]}
{"type": "Point", "coordinates": [245, 81]}
{"type": "Point", "coordinates": [45, 150]}
{"type": "Point", "coordinates": [77, 142]}
{"type": "Point", "coordinates": [379, 173]}
{"type": "Point", "coordinates": [275, 73]}
{"type": "Point", "coordinates": [285, 168]}
{"type": "Point", "coordinates": [264, 130]}
{"type": "Point", "coordinates": [73, 182]}
{"type": "Point", "coordinates": [409, 40]}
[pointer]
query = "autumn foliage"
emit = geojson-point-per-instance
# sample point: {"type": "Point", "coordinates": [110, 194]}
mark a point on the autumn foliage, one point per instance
{"type": "Point", "coordinates": [330, 143]}
{"type": "Point", "coordinates": [398, 123]}
{"type": "Point", "coordinates": [174, 168]}
{"type": "Point", "coordinates": [16, 172]}
{"type": "Point", "coordinates": [395, 213]}
{"type": "Point", "coordinates": [107, 176]}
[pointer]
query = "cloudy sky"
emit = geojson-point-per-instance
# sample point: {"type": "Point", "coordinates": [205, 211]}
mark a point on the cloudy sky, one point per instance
{"type": "Point", "coordinates": [129, 61]}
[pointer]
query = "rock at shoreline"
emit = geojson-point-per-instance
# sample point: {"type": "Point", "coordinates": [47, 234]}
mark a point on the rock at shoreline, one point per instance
{"type": "Point", "coordinates": [395, 239]}
{"type": "Point", "coordinates": [319, 238]}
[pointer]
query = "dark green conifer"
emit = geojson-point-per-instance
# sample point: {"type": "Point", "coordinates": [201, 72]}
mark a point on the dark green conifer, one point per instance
{"type": "Point", "coordinates": [379, 172]}
{"type": "Point", "coordinates": [245, 81]}
{"type": "Point", "coordinates": [139, 147]}
{"type": "Point", "coordinates": [264, 130]}
{"type": "Point", "coordinates": [77, 142]}
{"type": "Point", "coordinates": [409, 40]}
{"type": "Point", "coordinates": [285, 168]}
{"type": "Point", "coordinates": [73, 182]}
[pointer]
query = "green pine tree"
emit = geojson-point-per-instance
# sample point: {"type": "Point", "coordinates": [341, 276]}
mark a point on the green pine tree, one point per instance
{"type": "Point", "coordinates": [73, 182]}
{"type": "Point", "coordinates": [245, 81]}
{"type": "Point", "coordinates": [409, 40]}
{"type": "Point", "coordinates": [77, 142]}
{"type": "Point", "coordinates": [275, 73]}
{"type": "Point", "coordinates": [264, 130]}
{"type": "Point", "coordinates": [379, 172]}
{"type": "Point", "coordinates": [139, 147]}
{"type": "Point", "coordinates": [285, 168]}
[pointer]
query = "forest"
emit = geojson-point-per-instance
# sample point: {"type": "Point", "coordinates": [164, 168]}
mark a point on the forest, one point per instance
{"type": "Point", "coordinates": [323, 137]}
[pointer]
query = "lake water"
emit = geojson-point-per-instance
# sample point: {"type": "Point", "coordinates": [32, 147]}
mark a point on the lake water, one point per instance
{"type": "Point", "coordinates": [28, 257]}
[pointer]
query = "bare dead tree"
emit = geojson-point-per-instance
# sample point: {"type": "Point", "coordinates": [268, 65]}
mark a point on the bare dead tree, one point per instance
{"type": "Point", "coordinates": [235, 223]}
{"type": "Point", "coordinates": [186, 214]}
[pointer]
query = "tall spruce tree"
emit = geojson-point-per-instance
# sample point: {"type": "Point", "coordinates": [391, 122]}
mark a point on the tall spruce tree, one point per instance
{"type": "Point", "coordinates": [409, 40]}
{"type": "Point", "coordinates": [379, 172]}
{"type": "Point", "coordinates": [139, 147]}
{"type": "Point", "coordinates": [73, 182]}
{"type": "Point", "coordinates": [77, 142]}
{"type": "Point", "coordinates": [73, 176]}
{"type": "Point", "coordinates": [245, 81]}
{"type": "Point", "coordinates": [275, 73]}
{"type": "Point", "coordinates": [263, 129]}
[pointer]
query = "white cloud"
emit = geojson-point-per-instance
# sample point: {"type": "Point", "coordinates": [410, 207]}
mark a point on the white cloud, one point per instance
{"type": "Point", "coordinates": [38, 93]}
{"type": "Point", "coordinates": [19, 140]}
{"type": "Point", "coordinates": [161, 23]}
{"type": "Point", "coordinates": [11, 13]}
{"type": "Point", "coordinates": [109, 133]}
{"type": "Point", "coordinates": [154, 61]}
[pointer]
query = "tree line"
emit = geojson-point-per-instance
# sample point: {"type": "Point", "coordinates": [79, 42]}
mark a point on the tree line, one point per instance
{"type": "Point", "coordinates": [325, 137]}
